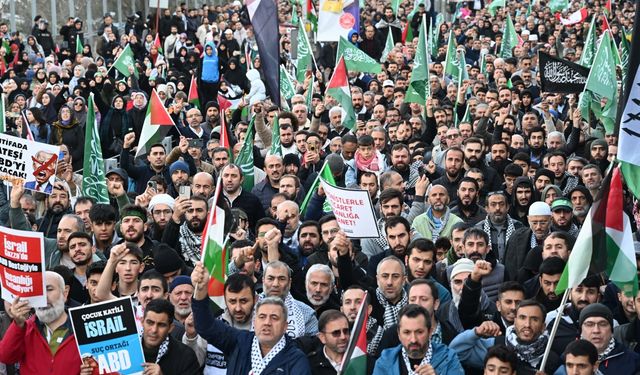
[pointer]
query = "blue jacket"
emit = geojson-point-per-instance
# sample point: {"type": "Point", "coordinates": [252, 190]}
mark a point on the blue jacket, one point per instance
{"type": "Point", "coordinates": [236, 345]}
{"type": "Point", "coordinates": [444, 361]}
{"type": "Point", "coordinates": [620, 361]}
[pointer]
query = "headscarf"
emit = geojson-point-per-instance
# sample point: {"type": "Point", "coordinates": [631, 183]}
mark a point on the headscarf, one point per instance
{"type": "Point", "coordinates": [210, 70]}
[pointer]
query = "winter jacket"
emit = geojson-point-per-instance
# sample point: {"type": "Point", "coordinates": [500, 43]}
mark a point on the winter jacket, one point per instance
{"type": "Point", "coordinates": [28, 347]}
{"type": "Point", "coordinates": [472, 350]}
{"type": "Point", "coordinates": [179, 360]}
{"type": "Point", "coordinates": [492, 282]}
{"type": "Point", "coordinates": [236, 345]}
{"type": "Point", "coordinates": [264, 191]}
{"type": "Point", "coordinates": [423, 226]}
{"type": "Point", "coordinates": [444, 361]}
{"type": "Point", "coordinates": [258, 91]}
{"type": "Point", "coordinates": [518, 246]}
{"type": "Point", "coordinates": [620, 361]}
{"type": "Point", "coordinates": [628, 334]}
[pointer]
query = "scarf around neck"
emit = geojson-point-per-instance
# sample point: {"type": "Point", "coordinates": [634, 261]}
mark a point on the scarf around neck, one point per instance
{"type": "Point", "coordinates": [391, 311]}
{"type": "Point", "coordinates": [190, 244]}
{"type": "Point", "coordinates": [425, 361]}
{"type": "Point", "coordinates": [295, 317]}
{"type": "Point", "coordinates": [260, 363]}
{"type": "Point", "coordinates": [530, 353]}
{"type": "Point", "coordinates": [365, 165]}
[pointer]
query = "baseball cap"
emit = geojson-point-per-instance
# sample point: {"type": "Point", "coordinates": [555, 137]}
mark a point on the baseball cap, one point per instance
{"type": "Point", "coordinates": [561, 204]}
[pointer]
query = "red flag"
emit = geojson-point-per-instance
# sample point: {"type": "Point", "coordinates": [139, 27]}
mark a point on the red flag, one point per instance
{"type": "Point", "coordinates": [575, 17]}
{"type": "Point", "coordinates": [223, 103]}
{"type": "Point", "coordinates": [605, 24]}
{"type": "Point", "coordinates": [607, 6]}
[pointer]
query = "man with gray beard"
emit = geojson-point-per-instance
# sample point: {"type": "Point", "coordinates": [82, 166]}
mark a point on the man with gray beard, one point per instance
{"type": "Point", "coordinates": [22, 343]}
{"type": "Point", "coordinates": [320, 286]}
{"type": "Point", "coordinates": [581, 200]}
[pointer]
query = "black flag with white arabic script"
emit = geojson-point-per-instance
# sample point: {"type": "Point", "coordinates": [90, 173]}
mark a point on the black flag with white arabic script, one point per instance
{"type": "Point", "coordinates": [561, 76]}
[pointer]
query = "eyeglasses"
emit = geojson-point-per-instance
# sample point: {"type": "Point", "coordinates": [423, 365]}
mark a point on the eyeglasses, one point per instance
{"type": "Point", "coordinates": [338, 332]}
{"type": "Point", "coordinates": [600, 324]}
{"type": "Point", "coordinates": [330, 231]}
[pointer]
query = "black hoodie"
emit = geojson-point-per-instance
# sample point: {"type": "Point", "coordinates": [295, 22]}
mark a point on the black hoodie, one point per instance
{"type": "Point", "coordinates": [519, 212]}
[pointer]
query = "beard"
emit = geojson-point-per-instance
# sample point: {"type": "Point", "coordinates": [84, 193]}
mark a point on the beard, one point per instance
{"type": "Point", "coordinates": [57, 208]}
{"type": "Point", "coordinates": [467, 207]}
{"type": "Point", "coordinates": [499, 165]}
{"type": "Point", "coordinates": [580, 212]}
{"type": "Point", "coordinates": [286, 145]}
{"type": "Point", "coordinates": [50, 313]}
{"type": "Point", "coordinates": [473, 163]}
{"type": "Point", "coordinates": [317, 303]}
{"type": "Point", "coordinates": [195, 225]}
{"type": "Point", "coordinates": [83, 262]}
{"type": "Point", "coordinates": [183, 311]}
{"type": "Point", "coordinates": [456, 298]}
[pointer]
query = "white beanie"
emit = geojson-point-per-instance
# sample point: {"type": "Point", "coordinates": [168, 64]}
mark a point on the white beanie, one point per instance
{"type": "Point", "coordinates": [539, 209]}
{"type": "Point", "coordinates": [462, 265]}
{"type": "Point", "coordinates": [161, 199]}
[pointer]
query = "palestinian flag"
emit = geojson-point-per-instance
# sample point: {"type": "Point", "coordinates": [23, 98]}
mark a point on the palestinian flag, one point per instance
{"type": "Point", "coordinates": [157, 44]}
{"type": "Point", "coordinates": [79, 46]}
{"type": "Point", "coordinates": [214, 255]}
{"type": "Point", "coordinates": [354, 361]}
{"type": "Point", "coordinates": [605, 242]}
{"type": "Point", "coordinates": [338, 88]}
{"type": "Point", "coordinates": [621, 259]}
{"type": "Point", "coordinates": [156, 124]}
{"type": "Point", "coordinates": [193, 98]}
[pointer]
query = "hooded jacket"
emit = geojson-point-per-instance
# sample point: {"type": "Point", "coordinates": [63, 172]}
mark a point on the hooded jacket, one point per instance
{"type": "Point", "coordinates": [513, 212]}
{"type": "Point", "coordinates": [258, 91]}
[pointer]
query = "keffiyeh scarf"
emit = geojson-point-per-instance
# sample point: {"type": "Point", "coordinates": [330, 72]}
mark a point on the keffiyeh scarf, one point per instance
{"type": "Point", "coordinates": [259, 363]}
{"type": "Point", "coordinates": [510, 229]}
{"type": "Point", "coordinates": [190, 244]}
{"type": "Point", "coordinates": [374, 334]}
{"type": "Point", "coordinates": [530, 353]}
{"type": "Point", "coordinates": [609, 348]}
{"type": "Point", "coordinates": [295, 317]}
{"type": "Point", "coordinates": [162, 350]}
{"type": "Point", "coordinates": [391, 311]}
{"type": "Point", "coordinates": [425, 361]}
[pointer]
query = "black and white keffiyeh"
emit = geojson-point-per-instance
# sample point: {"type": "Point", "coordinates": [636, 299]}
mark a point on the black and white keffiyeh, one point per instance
{"type": "Point", "coordinates": [607, 350]}
{"type": "Point", "coordinates": [510, 229]}
{"type": "Point", "coordinates": [391, 311]}
{"type": "Point", "coordinates": [162, 350]}
{"type": "Point", "coordinates": [374, 334]}
{"type": "Point", "coordinates": [258, 362]}
{"type": "Point", "coordinates": [530, 353]}
{"type": "Point", "coordinates": [296, 317]}
{"type": "Point", "coordinates": [190, 243]}
{"type": "Point", "coordinates": [425, 361]}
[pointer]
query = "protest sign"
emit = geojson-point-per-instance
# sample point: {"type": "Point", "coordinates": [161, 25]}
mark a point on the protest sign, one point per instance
{"type": "Point", "coordinates": [22, 266]}
{"type": "Point", "coordinates": [353, 210]}
{"type": "Point", "coordinates": [33, 162]}
{"type": "Point", "coordinates": [107, 336]}
{"type": "Point", "coordinates": [562, 76]}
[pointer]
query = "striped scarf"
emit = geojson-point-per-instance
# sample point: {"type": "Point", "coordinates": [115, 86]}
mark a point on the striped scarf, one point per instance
{"type": "Point", "coordinates": [391, 311]}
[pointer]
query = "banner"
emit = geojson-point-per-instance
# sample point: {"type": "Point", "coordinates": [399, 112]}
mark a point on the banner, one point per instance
{"type": "Point", "coordinates": [337, 18]}
{"type": "Point", "coordinates": [562, 76]}
{"type": "Point", "coordinates": [31, 161]}
{"type": "Point", "coordinates": [107, 336]}
{"type": "Point", "coordinates": [353, 210]}
{"type": "Point", "coordinates": [22, 266]}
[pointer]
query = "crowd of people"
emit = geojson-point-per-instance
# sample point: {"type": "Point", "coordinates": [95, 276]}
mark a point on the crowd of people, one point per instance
{"type": "Point", "coordinates": [479, 194]}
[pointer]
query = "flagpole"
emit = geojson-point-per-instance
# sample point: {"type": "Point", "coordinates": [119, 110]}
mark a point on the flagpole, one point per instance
{"type": "Point", "coordinates": [554, 329]}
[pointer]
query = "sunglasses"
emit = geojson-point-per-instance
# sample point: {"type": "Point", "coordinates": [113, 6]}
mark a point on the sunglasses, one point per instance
{"type": "Point", "coordinates": [338, 332]}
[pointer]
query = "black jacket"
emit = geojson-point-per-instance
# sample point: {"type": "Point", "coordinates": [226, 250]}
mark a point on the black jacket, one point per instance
{"type": "Point", "coordinates": [179, 360]}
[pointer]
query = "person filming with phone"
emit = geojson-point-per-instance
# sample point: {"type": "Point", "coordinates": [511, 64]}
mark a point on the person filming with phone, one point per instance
{"type": "Point", "coordinates": [184, 231]}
